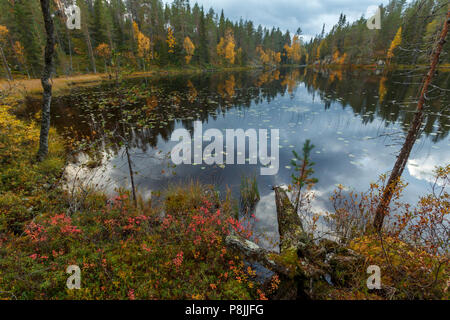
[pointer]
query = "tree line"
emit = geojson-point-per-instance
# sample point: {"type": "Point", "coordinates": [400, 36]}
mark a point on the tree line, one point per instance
{"type": "Point", "coordinates": [407, 35]}
{"type": "Point", "coordinates": [135, 35]}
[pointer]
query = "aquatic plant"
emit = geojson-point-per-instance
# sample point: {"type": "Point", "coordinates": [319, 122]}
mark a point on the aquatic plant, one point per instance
{"type": "Point", "coordinates": [249, 194]}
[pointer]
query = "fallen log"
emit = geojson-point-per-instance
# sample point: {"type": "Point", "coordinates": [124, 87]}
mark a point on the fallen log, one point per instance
{"type": "Point", "coordinates": [255, 253]}
{"type": "Point", "coordinates": [300, 261]}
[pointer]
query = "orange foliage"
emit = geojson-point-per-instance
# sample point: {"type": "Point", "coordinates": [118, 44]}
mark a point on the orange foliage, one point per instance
{"type": "Point", "coordinates": [103, 50]}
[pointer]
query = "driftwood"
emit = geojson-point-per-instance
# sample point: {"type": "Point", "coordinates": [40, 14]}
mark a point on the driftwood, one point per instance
{"type": "Point", "coordinates": [300, 262]}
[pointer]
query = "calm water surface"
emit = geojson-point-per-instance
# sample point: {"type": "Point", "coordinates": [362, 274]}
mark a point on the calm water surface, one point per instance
{"type": "Point", "coordinates": [356, 120]}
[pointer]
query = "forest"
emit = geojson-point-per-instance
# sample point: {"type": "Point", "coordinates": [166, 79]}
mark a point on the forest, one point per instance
{"type": "Point", "coordinates": [136, 35]}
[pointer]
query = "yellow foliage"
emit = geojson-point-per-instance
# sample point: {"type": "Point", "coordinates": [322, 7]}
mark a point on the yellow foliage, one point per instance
{"type": "Point", "coordinates": [189, 47]}
{"type": "Point", "coordinates": [395, 43]}
{"type": "Point", "coordinates": [221, 47]}
{"type": "Point", "coordinates": [290, 80]}
{"type": "Point", "coordinates": [342, 59]}
{"type": "Point", "coordinates": [226, 47]}
{"type": "Point", "coordinates": [336, 55]}
{"type": "Point", "coordinates": [226, 89]}
{"type": "Point", "coordinates": [335, 74]}
{"type": "Point", "coordinates": [229, 51]}
{"type": "Point", "coordinates": [294, 52]}
{"type": "Point", "coordinates": [192, 92]}
{"type": "Point", "coordinates": [268, 56]}
{"type": "Point", "coordinates": [3, 33]}
{"type": "Point", "coordinates": [337, 58]}
{"type": "Point", "coordinates": [19, 50]}
{"type": "Point", "coordinates": [143, 42]}
{"type": "Point", "coordinates": [171, 42]}
{"type": "Point", "coordinates": [20, 134]}
{"type": "Point", "coordinates": [267, 77]}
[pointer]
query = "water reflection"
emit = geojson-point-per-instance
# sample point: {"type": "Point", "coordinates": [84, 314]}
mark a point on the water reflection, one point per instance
{"type": "Point", "coordinates": [356, 120]}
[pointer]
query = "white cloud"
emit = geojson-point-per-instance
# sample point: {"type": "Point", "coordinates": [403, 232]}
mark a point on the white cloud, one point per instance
{"type": "Point", "coordinates": [291, 14]}
{"type": "Point", "coordinates": [422, 168]}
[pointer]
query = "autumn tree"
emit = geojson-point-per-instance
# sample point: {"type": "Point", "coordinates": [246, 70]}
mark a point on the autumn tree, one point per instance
{"type": "Point", "coordinates": [143, 44]}
{"type": "Point", "coordinates": [112, 22]}
{"type": "Point", "coordinates": [394, 44]}
{"type": "Point", "coordinates": [263, 56]}
{"type": "Point", "coordinates": [104, 51]}
{"type": "Point", "coordinates": [171, 41]}
{"type": "Point", "coordinates": [268, 57]}
{"type": "Point", "coordinates": [3, 38]}
{"type": "Point", "coordinates": [226, 47]}
{"type": "Point", "coordinates": [294, 50]}
{"type": "Point", "coordinates": [189, 47]}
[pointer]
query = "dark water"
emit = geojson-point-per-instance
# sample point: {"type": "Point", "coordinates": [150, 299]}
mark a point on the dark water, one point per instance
{"type": "Point", "coordinates": [356, 120]}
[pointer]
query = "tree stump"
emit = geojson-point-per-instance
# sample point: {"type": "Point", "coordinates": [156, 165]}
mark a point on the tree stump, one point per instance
{"type": "Point", "coordinates": [300, 262]}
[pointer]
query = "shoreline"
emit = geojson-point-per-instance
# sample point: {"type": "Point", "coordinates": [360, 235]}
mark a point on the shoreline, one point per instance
{"type": "Point", "coordinates": [21, 88]}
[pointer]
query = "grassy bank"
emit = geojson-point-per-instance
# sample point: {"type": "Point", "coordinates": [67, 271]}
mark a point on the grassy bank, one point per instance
{"type": "Point", "coordinates": [124, 252]}
{"type": "Point", "coordinates": [21, 88]}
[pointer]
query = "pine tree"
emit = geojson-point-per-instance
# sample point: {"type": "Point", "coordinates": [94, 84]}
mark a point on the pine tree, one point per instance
{"type": "Point", "coordinates": [98, 26]}
{"type": "Point", "coordinates": [203, 47]}
{"type": "Point", "coordinates": [29, 35]}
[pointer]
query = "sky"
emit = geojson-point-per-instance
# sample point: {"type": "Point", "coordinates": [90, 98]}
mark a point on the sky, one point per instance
{"type": "Point", "coordinates": [310, 15]}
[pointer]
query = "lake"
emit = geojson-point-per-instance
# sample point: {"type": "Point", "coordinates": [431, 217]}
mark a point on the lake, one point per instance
{"type": "Point", "coordinates": [356, 119]}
